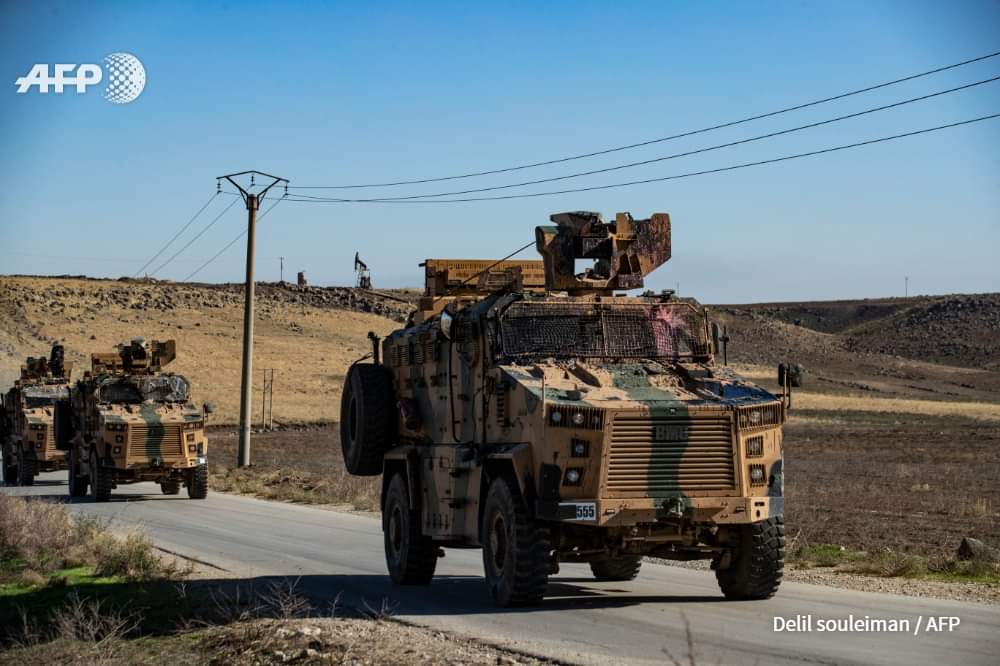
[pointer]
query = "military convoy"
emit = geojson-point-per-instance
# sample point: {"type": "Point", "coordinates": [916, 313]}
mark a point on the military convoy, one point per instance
{"type": "Point", "coordinates": [532, 410]}
{"type": "Point", "coordinates": [26, 418]}
{"type": "Point", "coordinates": [128, 421]}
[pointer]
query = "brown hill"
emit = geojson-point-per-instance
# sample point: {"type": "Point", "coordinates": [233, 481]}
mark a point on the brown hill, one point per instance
{"type": "Point", "coordinates": [309, 335]}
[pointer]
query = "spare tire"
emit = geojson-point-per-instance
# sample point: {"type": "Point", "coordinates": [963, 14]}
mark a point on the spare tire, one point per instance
{"type": "Point", "coordinates": [368, 420]}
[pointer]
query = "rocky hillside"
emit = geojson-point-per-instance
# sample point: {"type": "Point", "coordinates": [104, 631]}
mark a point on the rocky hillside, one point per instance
{"type": "Point", "coordinates": [309, 335]}
{"type": "Point", "coordinates": [960, 330]}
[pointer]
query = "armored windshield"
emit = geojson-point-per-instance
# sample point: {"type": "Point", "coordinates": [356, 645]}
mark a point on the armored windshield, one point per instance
{"type": "Point", "coordinates": [43, 396]}
{"type": "Point", "coordinates": [156, 388]}
{"type": "Point", "coordinates": [665, 331]}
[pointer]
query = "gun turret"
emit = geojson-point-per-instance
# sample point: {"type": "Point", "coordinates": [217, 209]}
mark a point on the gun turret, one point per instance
{"type": "Point", "coordinates": [135, 357]}
{"type": "Point", "coordinates": [624, 251]}
{"type": "Point", "coordinates": [46, 369]}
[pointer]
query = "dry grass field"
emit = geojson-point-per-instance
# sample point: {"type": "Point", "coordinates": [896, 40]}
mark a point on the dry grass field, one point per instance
{"type": "Point", "coordinates": [309, 347]}
{"type": "Point", "coordinates": [884, 451]}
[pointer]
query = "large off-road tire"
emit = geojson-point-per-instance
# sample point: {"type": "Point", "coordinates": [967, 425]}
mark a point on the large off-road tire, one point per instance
{"type": "Point", "coordinates": [516, 548]}
{"type": "Point", "coordinates": [171, 487]}
{"type": "Point", "coordinates": [198, 483]}
{"type": "Point", "coordinates": [101, 479]}
{"type": "Point", "coordinates": [623, 567]}
{"type": "Point", "coordinates": [77, 482]}
{"type": "Point", "coordinates": [369, 422]}
{"type": "Point", "coordinates": [758, 561]}
{"type": "Point", "coordinates": [25, 469]}
{"type": "Point", "coordinates": [410, 556]}
{"type": "Point", "coordinates": [9, 467]}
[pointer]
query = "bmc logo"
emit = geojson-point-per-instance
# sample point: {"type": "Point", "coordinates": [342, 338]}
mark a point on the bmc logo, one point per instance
{"type": "Point", "coordinates": [126, 78]}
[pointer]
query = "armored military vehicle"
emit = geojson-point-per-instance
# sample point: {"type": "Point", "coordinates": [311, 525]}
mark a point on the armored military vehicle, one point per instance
{"type": "Point", "coordinates": [26, 413]}
{"type": "Point", "coordinates": [534, 411]}
{"type": "Point", "coordinates": [128, 421]}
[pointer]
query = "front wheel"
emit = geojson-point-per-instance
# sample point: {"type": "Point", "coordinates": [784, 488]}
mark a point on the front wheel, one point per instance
{"type": "Point", "coordinates": [25, 469]}
{"type": "Point", "coordinates": [101, 479]}
{"type": "Point", "coordinates": [77, 480]}
{"type": "Point", "coordinates": [757, 561]}
{"type": "Point", "coordinates": [516, 548]}
{"type": "Point", "coordinates": [410, 556]}
{"type": "Point", "coordinates": [198, 483]}
{"type": "Point", "coordinates": [9, 469]}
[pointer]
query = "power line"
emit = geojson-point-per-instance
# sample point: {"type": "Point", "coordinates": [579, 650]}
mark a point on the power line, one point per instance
{"type": "Point", "coordinates": [230, 243]}
{"type": "Point", "coordinates": [784, 158]}
{"type": "Point", "coordinates": [196, 237]}
{"type": "Point", "coordinates": [658, 140]}
{"type": "Point", "coordinates": [682, 154]}
{"type": "Point", "coordinates": [175, 237]}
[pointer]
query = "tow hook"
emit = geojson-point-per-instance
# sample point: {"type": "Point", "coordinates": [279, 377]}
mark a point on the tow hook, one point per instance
{"type": "Point", "coordinates": [674, 506]}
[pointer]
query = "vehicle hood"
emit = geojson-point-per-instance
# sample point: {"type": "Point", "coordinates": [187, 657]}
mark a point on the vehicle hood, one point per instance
{"type": "Point", "coordinates": [614, 384]}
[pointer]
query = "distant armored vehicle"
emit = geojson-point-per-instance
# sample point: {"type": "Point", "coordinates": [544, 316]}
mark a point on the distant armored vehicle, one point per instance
{"type": "Point", "coordinates": [129, 421]}
{"type": "Point", "coordinates": [530, 410]}
{"type": "Point", "coordinates": [26, 412]}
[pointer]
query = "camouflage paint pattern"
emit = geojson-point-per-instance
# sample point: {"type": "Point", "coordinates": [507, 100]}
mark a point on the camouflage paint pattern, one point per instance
{"type": "Point", "coordinates": [151, 440]}
{"type": "Point", "coordinates": [28, 422]}
{"type": "Point", "coordinates": [667, 447]}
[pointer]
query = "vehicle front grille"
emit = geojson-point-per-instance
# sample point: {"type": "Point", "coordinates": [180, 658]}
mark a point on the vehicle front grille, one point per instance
{"type": "Point", "coordinates": [155, 440]}
{"type": "Point", "coordinates": [652, 456]}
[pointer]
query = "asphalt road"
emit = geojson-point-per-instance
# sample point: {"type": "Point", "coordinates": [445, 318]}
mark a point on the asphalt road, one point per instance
{"type": "Point", "coordinates": [580, 620]}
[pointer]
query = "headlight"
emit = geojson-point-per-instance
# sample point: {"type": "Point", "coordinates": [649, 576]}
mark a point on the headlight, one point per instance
{"type": "Point", "coordinates": [580, 448]}
{"type": "Point", "coordinates": [573, 476]}
{"type": "Point", "coordinates": [573, 416]}
{"type": "Point", "coordinates": [755, 446]}
{"type": "Point", "coordinates": [116, 450]}
{"type": "Point", "coordinates": [757, 476]}
{"type": "Point", "coordinates": [192, 448]}
{"type": "Point", "coordinates": [755, 417]}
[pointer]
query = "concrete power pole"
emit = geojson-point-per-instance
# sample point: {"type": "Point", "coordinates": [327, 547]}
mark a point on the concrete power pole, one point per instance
{"type": "Point", "coordinates": [252, 202]}
{"type": "Point", "coordinates": [281, 274]}
{"type": "Point", "coordinates": [906, 286]}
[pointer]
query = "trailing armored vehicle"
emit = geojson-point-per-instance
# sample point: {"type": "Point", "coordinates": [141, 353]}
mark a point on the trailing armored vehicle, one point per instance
{"type": "Point", "coordinates": [128, 421]}
{"type": "Point", "coordinates": [26, 418]}
{"type": "Point", "coordinates": [532, 410]}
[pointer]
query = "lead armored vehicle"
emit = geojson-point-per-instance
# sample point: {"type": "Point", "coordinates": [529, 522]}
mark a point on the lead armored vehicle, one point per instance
{"type": "Point", "coordinates": [535, 411]}
{"type": "Point", "coordinates": [26, 418]}
{"type": "Point", "coordinates": [128, 421]}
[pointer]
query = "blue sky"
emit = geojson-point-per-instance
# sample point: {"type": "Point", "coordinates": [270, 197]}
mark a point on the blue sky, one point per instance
{"type": "Point", "coordinates": [360, 92]}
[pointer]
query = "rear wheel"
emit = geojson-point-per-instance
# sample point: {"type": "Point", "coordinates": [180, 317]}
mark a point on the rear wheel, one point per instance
{"type": "Point", "coordinates": [757, 561]}
{"type": "Point", "coordinates": [623, 567]}
{"type": "Point", "coordinates": [77, 480]}
{"type": "Point", "coordinates": [100, 479]}
{"type": "Point", "coordinates": [171, 487]}
{"type": "Point", "coordinates": [368, 419]}
{"type": "Point", "coordinates": [198, 483]}
{"type": "Point", "coordinates": [516, 549]}
{"type": "Point", "coordinates": [25, 468]}
{"type": "Point", "coordinates": [410, 556]}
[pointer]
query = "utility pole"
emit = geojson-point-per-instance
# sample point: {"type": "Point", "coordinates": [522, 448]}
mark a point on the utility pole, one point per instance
{"type": "Point", "coordinates": [282, 273]}
{"type": "Point", "coordinates": [906, 286]}
{"type": "Point", "coordinates": [252, 202]}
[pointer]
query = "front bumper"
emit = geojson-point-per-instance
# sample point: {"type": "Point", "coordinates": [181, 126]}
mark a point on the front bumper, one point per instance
{"type": "Point", "coordinates": [698, 510]}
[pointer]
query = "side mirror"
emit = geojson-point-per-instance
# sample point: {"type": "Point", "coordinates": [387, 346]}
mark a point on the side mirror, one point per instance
{"type": "Point", "coordinates": [716, 335]}
{"type": "Point", "coordinates": [208, 408]}
{"type": "Point", "coordinates": [446, 320]}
